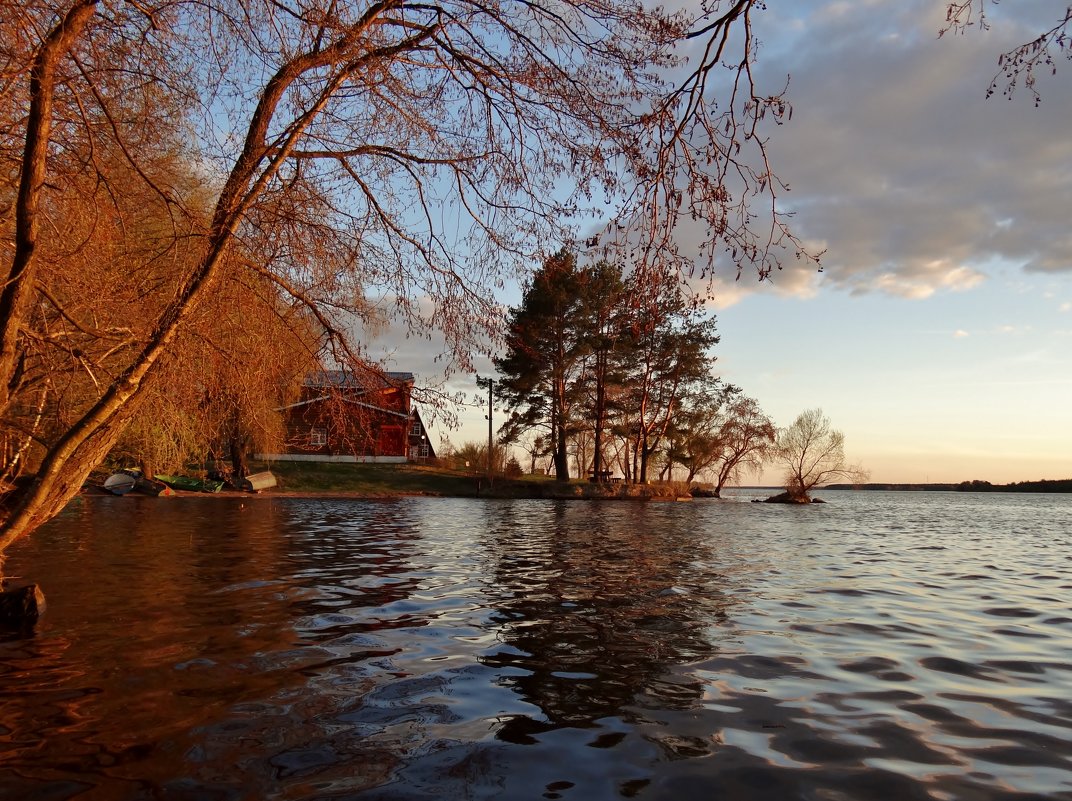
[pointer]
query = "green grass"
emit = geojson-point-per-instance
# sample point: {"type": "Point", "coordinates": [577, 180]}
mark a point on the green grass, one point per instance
{"type": "Point", "coordinates": [371, 479]}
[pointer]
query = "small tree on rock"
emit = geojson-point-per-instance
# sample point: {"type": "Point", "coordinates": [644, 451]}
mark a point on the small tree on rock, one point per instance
{"type": "Point", "coordinates": [813, 453]}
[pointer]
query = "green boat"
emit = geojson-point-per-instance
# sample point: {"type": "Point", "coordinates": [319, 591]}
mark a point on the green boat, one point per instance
{"type": "Point", "coordinates": [190, 484]}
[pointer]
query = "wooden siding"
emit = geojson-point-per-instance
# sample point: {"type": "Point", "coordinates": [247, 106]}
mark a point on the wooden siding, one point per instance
{"type": "Point", "coordinates": [364, 424]}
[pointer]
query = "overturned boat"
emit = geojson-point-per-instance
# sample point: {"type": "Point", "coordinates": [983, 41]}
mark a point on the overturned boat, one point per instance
{"type": "Point", "coordinates": [121, 482]}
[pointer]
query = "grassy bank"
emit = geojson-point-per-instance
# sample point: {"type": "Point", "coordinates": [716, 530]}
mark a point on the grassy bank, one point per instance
{"type": "Point", "coordinates": [372, 480]}
{"type": "Point", "coordinates": [386, 480]}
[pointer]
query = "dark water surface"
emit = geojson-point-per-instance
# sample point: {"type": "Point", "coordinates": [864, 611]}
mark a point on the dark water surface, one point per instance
{"type": "Point", "coordinates": [883, 646]}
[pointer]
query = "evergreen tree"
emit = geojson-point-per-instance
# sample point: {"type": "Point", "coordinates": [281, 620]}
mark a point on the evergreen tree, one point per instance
{"type": "Point", "coordinates": [544, 350]}
{"type": "Point", "coordinates": [602, 320]}
{"type": "Point", "coordinates": [669, 340]}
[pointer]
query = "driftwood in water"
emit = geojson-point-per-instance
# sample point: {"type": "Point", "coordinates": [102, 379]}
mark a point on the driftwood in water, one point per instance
{"type": "Point", "coordinates": [21, 607]}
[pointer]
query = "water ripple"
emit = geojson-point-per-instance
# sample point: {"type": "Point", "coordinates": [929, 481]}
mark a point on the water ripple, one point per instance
{"type": "Point", "coordinates": [882, 646]}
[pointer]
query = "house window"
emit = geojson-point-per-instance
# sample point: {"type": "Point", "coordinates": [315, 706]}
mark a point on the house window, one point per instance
{"type": "Point", "coordinates": [424, 450]}
{"type": "Point", "coordinates": [415, 429]}
{"type": "Point", "coordinates": [318, 437]}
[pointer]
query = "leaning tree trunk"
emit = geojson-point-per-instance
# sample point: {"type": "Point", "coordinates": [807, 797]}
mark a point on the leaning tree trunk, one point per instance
{"type": "Point", "coordinates": [67, 465]}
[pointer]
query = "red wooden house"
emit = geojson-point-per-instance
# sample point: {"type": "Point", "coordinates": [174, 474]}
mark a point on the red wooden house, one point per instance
{"type": "Point", "coordinates": [342, 416]}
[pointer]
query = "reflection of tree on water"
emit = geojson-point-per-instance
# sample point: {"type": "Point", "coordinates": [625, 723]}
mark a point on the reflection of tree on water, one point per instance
{"type": "Point", "coordinates": [599, 602]}
{"type": "Point", "coordinates": [359, 557]}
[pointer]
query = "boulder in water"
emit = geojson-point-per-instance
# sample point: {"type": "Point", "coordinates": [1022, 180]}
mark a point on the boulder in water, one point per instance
{"type": "Point", "coordinates": [786, 497]}
{"type": "Point", "coordinates": [21, 607]}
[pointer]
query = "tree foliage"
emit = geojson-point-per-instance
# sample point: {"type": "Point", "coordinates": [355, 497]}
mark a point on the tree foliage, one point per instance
{"type": "Point", "coordinates": [724, 432]}
{"type": "Point", "coordinates": [473, 456]}
{"type": "Point", "coordinates": [667, 356]}
{"type": "Point", "coordinates": [602, 316]}
{"type": "Point", "coordinates": [418, 152]}
{"type": "Point", "coordinates": [746, 436]}
{"type": "Point", "coordinates": [588, 352]}
{"type": "Point", "coordinates": [545, 342]}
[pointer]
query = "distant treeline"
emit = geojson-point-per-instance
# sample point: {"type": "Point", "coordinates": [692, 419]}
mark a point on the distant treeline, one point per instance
{"type": "Point", "coordinates": [1045, 485]}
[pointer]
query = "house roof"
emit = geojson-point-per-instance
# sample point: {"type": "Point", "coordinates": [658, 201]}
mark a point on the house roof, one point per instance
{"type": "Point", "coordinates": [348, 379]}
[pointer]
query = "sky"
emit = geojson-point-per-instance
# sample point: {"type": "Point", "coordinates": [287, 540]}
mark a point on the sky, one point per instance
{"type": "Point", "coordinates": [938, 335]}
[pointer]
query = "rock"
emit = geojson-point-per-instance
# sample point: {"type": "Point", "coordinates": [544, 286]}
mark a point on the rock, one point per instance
{"type": "Point", "coordinates": [20, 608]}
{"type": "Point", "coordinates": [703, 492]}
{"type": "Point", "coordinates": [785, 497]}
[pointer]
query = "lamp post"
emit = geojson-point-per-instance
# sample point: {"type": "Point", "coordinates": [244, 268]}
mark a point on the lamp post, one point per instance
{"type": "Point", "coordinates": [490, 384]}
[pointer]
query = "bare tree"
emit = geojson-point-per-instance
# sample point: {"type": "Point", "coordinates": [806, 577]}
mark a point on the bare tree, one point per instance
{"type": "Point", "coordinates": [813, 453]}
{"type": "Point", "coordinates": [1023, 61]}
{"type": "Point", "coordinates": [414, 150]}
{"type": "Point", "coordinates": [721, 431]}
{"type": "Point", "coordinates": [745, 435]}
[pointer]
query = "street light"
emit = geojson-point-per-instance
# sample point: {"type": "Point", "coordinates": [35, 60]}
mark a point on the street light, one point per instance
{"type": "Point", "coordinates": [490, 384]}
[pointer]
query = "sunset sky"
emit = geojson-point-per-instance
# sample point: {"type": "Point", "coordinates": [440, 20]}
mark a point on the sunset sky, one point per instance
{"type": "Point", "coordinates": [938, 336]}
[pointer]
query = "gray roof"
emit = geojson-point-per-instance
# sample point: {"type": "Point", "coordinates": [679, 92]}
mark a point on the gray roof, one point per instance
{"type": "Point", "coordinates": [348, 379]}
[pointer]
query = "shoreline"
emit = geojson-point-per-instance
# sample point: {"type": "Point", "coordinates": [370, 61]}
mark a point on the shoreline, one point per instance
{"type": "Point", "coordinates": [578, 492]}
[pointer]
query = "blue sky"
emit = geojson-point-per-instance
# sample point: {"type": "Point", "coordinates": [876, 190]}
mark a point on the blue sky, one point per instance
{"type": "Point", "coordinates": [938, 335]}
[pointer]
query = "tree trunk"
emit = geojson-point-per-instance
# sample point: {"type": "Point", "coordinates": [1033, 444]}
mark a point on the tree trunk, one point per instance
{"type": "Point", "coordinates": [559, 430]}
{"type": "Point", "coordinates": [600, 410]}
{"type": "Point", "coordinates": [239, 467]}
{"type": "Point", "coordinates": [65, 468]}
{"type": "Point", "coordinates": [18, 289]}
{"type": "Point", "coordinates": [561, 456]}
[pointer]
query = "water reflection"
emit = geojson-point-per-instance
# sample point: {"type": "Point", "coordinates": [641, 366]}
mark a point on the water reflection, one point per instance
{"type": "Point", "coordinates": [876, 648]}
{"type": "Point", "coordinates": [142, 641]}
{"type": "Point", "coordinates": [593, 612]}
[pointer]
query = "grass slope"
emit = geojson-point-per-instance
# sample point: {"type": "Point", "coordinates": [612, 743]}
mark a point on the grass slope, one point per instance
{"type": "Point", "coordinates": [384, 480]}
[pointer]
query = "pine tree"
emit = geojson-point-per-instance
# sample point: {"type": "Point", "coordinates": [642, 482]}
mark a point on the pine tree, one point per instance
{"type": "Point", "coordinates": [543, 357]}
{"type": "Point", "coordinates": [669, 340]}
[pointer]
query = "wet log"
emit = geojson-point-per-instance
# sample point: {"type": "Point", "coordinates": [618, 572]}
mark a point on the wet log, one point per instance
{"type": "Point", "coordinates": [21, 607]}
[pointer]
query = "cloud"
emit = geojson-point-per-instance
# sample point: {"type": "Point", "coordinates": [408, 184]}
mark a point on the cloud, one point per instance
{"type": "Point", "coordinates": [960, 333]}
{"type": "Point", "coordinates": [916, 281]}
{"type": "Point", "coordinates": [899, 164]}
{"type": "Point", "coordinates": [797, 281]}
{"type": "Point", "coordinates": [1065, 307]}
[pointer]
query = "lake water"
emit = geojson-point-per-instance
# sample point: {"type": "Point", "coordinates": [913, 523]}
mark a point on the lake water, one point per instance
{"type": "Point", "coordinates": [882, 646]}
